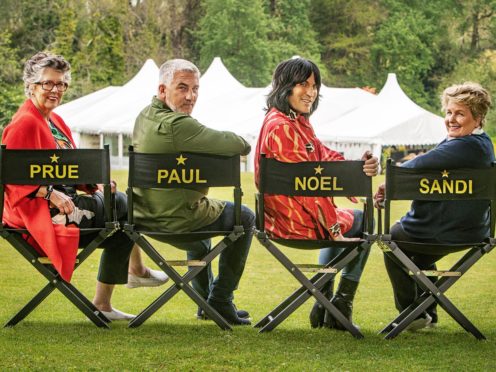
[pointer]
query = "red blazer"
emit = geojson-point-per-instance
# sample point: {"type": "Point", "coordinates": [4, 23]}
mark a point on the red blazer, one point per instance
{"type": "Point", "coordinates": [29, 130]}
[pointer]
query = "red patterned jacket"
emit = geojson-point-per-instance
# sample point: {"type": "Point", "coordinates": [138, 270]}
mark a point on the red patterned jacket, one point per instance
{"type": "Point", "coordinates": [293, 140]}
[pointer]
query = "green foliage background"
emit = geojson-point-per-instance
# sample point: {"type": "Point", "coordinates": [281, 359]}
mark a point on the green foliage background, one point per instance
{"type": "Point", "coordinates": [356, 43]}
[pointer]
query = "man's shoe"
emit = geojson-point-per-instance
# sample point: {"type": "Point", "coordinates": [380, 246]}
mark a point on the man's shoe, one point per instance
{"type": "Point", "coordinates": [423, 322]}
{"type": "Point", "coordinates": [200, 314]}
{"type": "Point", "coordinates": [154, 279]}
{"type": "Point", "coordinates": [228, 311]}
{"type": "Point", "coordinates": [117, 315]}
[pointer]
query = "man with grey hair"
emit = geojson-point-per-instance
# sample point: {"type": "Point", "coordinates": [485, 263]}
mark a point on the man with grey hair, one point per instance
{"type": "Point", "coordinates": [165, 126]}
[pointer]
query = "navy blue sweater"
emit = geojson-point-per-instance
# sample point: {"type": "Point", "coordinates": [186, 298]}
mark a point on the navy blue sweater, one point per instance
{"type": "Point", "coordinates": [451, 221]}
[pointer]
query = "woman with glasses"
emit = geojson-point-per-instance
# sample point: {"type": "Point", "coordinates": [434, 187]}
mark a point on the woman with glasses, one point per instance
{"type": "Point", "coordinates": [51, 212]}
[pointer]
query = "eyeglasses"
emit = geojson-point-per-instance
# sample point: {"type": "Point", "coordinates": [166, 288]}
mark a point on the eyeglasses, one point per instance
{"type": "Point", "coordinates": [48, 85]}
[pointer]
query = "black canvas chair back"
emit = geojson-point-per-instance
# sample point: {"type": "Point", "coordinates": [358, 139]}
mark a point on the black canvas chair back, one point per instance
{"type": "Point", "coordinates": [188, 171]}
{"type": "Point", "coordinates": [436, 185]}
{"type": "Point", "coordinates": [312, 179]}
{"type": "Point", "coordinates": [57, 167]}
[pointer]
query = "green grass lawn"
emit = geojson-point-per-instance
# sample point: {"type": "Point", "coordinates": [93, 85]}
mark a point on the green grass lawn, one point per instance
{"type": "Point", "coordinates": [57, 336]}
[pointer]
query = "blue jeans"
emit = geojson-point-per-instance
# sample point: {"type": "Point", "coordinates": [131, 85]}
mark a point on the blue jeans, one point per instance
{"type": "Point", "coordinates": [232, 260]}
{"type": "Point", "coordinates": [353, 270]}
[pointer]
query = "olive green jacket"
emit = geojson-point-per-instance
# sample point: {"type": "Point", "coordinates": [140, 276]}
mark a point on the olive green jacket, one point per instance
{"type": "Point", "coordinates": [159, 129]}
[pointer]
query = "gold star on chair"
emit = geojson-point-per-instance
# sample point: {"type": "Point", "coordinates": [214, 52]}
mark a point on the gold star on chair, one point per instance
{"type": "Point", "coordinates": [403, 184]}
{"type": "Point", "coordinates": [279, 178]}
{"type": "Point", "coordinates": [93, 166]}
{"type": "Point", "coordinates": [54, 158]}
{"type": "Point", "coordinates": [181, 160]}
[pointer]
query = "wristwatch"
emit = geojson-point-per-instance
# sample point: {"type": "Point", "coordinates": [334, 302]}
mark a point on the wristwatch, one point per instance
{"type": "Point", "coordinates": [49, 190]}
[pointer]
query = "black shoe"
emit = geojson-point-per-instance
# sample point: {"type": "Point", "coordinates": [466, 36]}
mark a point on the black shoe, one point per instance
{"type": "Point", "coordinates": [200, 314]}
{"type": "Point", "coordinates": [317, 315]}
{"type": "Point", "coordinates": [343, 301]}
{"type": "Point", "coordinates": [318, 311]}
{"type": "Point", "coordinates": [228, 311]}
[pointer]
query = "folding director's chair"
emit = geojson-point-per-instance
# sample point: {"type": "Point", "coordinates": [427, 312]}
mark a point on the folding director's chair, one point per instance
{"type": "Point", "coordinates": [82, 166]}
{"type": "Point", "coordinates": [436, 185]}
{"type": "Point", "coordinates": [323, 179]}
{"type": "Point", "coordinates": [161, 171]}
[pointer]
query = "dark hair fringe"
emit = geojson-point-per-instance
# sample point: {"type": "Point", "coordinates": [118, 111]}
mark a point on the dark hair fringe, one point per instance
{"type": "Point", "coordinates": [288, 74]}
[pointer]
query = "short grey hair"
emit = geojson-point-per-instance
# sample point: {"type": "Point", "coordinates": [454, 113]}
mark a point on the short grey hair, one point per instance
{"type": "Point", "coordinates": [33, 68]}
{"type": "Point", "coordinates": [470, 94]}
{"type": "Point", "coordinates": [169, 68]}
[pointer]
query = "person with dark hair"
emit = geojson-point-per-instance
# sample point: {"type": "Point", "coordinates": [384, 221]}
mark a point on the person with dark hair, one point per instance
{"type": "Point", "coordinates": [288, 136]}
{"type": "Point", "coordinates": [456, 222]}
{"type": "Point", "coordinates": [53, 213]}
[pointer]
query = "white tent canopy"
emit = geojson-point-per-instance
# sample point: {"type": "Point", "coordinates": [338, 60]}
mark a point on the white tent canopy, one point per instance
{"type": "Point", "coordinates": [391, 119]}
{"type": "Point", "coordinates": [223, 100]}
{"type": "Point", "coordinates": [116, 112]}
{"type": "Point", "coordinates": [77, 106]}
{"type": "Point", "coordinates": [350, 120]}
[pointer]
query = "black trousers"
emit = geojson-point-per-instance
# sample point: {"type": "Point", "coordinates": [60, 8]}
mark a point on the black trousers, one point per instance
{"type": "Point", "coordinates": [405, 290]}
{"type": "Point", "coordinates": [114, 261]}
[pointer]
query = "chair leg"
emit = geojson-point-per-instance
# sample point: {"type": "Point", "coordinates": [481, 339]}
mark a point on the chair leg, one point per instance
{"type": "Point", "coordinates": [309, 287]}
{"type": "Point", "coordinates": [181, 282]}
{"type": "Point", "coordinates": [81, 303]}
{"type": "Point", "coordinates": [31, 305]}
{"type": "Point", "coordinates": [401, 322]}
{"type": "Point", "coordinates": [434, 292]}
{"type": "Point", "coordinates": [54, 281]}
{"type": "Point", "coordinates": [298, 297]}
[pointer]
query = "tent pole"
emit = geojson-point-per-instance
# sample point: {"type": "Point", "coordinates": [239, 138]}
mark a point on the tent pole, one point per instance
{"type": "Point", "coordinates": [121, 150]}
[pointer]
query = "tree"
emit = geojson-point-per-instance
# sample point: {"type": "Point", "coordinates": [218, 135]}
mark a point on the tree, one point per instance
{"type": "Point", "coordinates": [402, 44]}
{"type": "Point", "coordinates": [161, 30]}
{"type": "Point", "coordinates": [345, 31]}
{"type": "Point", "coordinates": [11, 89]}
{"type": "Point", "coordinates": [96, 48]}
{"type": "Point", "coordinates": [33, 24]}
{"type": "Point", "coordinates": [236, 31]}
{"type": "Point", "coordinates": [291, 32]}
{"type": "Point", "coordinates": [477, 19]}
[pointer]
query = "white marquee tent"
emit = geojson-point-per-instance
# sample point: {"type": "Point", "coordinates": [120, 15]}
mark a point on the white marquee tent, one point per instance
{"type": "Point", "coordinates": [111, 112]}
{"type": "Point", "coordinates": [391, 119]}
{"type": "Point", "coordinates": [349, 119]}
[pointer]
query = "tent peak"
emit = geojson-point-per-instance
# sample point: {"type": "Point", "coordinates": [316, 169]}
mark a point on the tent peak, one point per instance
{"type": "Point", "coordinates": [149, 71]}
{"type": "Point", "coordinates": [392, 89]}
{"type": "Point", "coordinates": [218, 74]}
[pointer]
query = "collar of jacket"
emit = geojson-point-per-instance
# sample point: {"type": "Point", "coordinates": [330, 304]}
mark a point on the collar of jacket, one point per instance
{"type": "Point", "coordinates": [160, 104]}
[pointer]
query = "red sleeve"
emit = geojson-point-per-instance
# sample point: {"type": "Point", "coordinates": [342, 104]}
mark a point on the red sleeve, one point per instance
{"type": "Point", "coordinates": [326, 153]}
{"type": "Point", "coordinates": [22, 133]}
